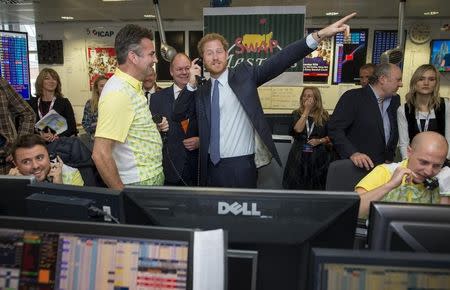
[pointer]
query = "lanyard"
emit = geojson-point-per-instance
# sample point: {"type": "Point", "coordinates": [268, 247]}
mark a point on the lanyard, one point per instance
{"type": "Point", "coordinates": [309, 129]}
{"type": "Point", "coordinates": [427, 122]}
{"type": "Point", "coordinates": [49, 109]}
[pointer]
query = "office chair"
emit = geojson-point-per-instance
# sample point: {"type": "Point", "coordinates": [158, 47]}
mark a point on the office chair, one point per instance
{"type": "Point", "coordinates": [343, 175]}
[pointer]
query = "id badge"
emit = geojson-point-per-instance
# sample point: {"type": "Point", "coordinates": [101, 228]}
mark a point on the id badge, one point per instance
{"type": "Point", "coordinates": [307, 148]}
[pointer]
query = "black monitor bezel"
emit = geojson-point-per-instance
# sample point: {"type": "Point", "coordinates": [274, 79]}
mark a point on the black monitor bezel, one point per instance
{"type": "Point", "coordinates": [106, 230]}
{"type": "Point", "coordinates": [383, 213]}
{"type": "Point", "coordinates": [400, 229]}
{"type": "Point", "coordinates": [110, 197]}
{"type": "Point", "coordinates": [13, 203]}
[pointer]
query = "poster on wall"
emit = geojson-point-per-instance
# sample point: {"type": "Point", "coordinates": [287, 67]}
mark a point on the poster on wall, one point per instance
{"type": "Point", "coordinates": [102, 61]}
{"type": "Point", "coordinates": [316, 65]}
{"type": "Point", "coordinates": [349, 55]}
{"type": "Point", "coordinates": [256, 33]}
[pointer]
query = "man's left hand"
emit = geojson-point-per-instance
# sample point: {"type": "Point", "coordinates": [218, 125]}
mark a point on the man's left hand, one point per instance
{"type": "Point", "coordinates": [56, 171]}
{"type": "Point", "coordinates": [191, 143]}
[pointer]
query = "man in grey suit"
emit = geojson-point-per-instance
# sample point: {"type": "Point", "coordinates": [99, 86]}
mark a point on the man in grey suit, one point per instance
{"type": "Point", "coordinates": [235, 137]}
{"type": "Point", "coordinates": [363, 126]}
{"type": "Point", "coordinates": [180, 146]}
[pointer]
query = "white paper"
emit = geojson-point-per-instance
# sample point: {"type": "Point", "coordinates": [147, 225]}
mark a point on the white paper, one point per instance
{"type": "Point", "coordinates": [54, 121]}
{"type": "Point", "coordinates": [209, 260]}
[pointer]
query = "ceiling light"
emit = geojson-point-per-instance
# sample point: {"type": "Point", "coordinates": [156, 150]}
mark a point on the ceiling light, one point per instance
{"type": "Point", "coordinates": [431, 13]}
{"type": "Point", "coordinates": [149, 16]}
{"type": "Point", "coordinates": [67, 17]}
{"type": "Point", "coordinates": [332, 13]}
{"type": "Point", "coordinates": [115, 0]}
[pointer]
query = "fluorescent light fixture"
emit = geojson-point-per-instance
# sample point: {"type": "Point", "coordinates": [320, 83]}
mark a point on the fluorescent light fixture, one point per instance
{"type": "Point", "coordinates": [116, 0]}
{"type": "Point", "coordinates": [431, 13]}
{"type": "Point", "coordinates": [67, 17]}
{"type": "Point", "coordinates": [149, 16]}
{"type": "Point", "coordinates": [332, 13]}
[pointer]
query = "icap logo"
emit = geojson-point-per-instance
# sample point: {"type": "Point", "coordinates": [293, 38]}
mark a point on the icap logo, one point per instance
{"type": "Point", "coordinates": [236, 208]}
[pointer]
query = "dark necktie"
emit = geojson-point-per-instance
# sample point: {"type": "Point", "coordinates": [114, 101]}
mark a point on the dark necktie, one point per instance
{"type": "Point", "coordinates": [147, 94]}
{"type": "Point", "coordinates": [214, 147]}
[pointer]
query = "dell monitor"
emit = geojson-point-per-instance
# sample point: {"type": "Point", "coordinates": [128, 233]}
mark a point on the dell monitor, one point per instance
{"type": "Point", "coordinates": [382, 214]}
{"type": "Point", "coordinates": [60, 201]}
{"type": "Point", "coordinates": [50, 254]}
{"type": "Point", "coordinates": [279, 225]}
{"type": "Point", "coordinates": [14, 190]}
{"type": "Point", "coordinates": [334, 269]}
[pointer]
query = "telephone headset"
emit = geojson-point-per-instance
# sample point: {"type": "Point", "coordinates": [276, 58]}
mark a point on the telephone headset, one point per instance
{"type": "Point", "coordinates": [431, 183]}
{"type": "Point", "coordinates": [201, 80]}
{"type": "Point", "coordinates": [157, 119]}
{"type": "Point", "coordinates": [53, 159]}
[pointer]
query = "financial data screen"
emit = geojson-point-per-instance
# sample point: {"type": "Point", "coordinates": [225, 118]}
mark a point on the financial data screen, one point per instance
{"type": "Point", "coordinates": [14, 62]}
{"type": "Point", "coordinates": [349, 55]}
{"type": "Point", "coordinates": [383, 40]}
{"type": "Point", "coordinates": [364, 277]}
{"type": "Point", "coordinates": [44, 260]}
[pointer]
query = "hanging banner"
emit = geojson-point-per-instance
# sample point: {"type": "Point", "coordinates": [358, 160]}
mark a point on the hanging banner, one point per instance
{"type": "Point", "coordinates": [256, 33]}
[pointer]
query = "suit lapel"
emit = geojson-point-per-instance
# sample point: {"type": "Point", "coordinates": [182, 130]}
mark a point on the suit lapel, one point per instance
{"type": "Point", "coordinates": [379, 118]}
{"type": "Point", "coordinates": [205, 94]}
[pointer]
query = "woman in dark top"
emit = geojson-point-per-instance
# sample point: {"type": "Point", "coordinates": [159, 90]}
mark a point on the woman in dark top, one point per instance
{"type": "Point", "coordinates": [48, 97]}
{"type": "Point", "coordinates": [308, 160]}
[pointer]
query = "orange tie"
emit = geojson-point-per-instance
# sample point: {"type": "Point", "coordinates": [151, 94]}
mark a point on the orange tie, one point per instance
{"type": "Point", "coordinates": [185, 125]}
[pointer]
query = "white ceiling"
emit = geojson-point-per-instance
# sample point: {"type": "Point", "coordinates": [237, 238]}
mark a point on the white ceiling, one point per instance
{"type": "Point", "coordinates": [50, 11]}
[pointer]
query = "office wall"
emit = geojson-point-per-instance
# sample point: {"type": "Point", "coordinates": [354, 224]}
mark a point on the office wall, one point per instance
{"type": "Point", "coordinates": [74, 72]}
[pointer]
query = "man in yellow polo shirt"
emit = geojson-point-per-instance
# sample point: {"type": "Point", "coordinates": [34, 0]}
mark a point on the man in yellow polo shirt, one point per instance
{"type": "Point", "coordinates": [404, 181]}
{"type": "Point", "coordinates": [128, 146]}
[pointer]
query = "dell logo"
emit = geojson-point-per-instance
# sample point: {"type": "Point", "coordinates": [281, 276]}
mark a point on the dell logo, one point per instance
{"type": "Point", "coordinates": [237, 208]}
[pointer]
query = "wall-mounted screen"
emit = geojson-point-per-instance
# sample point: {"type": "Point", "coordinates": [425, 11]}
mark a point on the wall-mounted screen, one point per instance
{"type": "Point", "coordinates": [349, 55]}
{"type": "Point", "coordinates": [383, 40]}
{"type": "Point", "coordinates": [316, 65]}
{"type": "Point", "coordinates": [440, 54]}
{"type": "Point", "coordinates": [14, 63]}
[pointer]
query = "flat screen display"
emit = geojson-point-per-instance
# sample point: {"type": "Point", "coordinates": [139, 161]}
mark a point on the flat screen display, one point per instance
{"type": "Point", "coordinates": [349, 55]}
{"type": "Point", "coordinates": [14, 62]}
{"type": "Point", "coordinates": [440, 54]}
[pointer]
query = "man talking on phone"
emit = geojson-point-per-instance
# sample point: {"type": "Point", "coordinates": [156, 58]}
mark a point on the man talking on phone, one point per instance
{"type": "Point", "coordinates": [419, 179]}
{"type": "Point", "coordinates": [31, 157]}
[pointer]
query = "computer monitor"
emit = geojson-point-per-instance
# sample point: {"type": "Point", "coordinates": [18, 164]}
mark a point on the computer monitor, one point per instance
{"type": "Point", "coordinates": [57, 200]}
{"type": "Point", "coordinates": [50, 254]}
{"type": "Point", "coordinates": [14, 190]}
{"type": "Point", "coordinates": [419, 237]}
{"type": "Point", "coordinates": [279, 225]}
{"type": "Point", "coordinates": [382, 214]}
{"type": "Point", "coordinates": [345, 269]}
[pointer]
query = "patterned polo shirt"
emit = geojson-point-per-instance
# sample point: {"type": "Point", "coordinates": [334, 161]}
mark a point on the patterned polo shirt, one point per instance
{"type": "Point", "coordinates": [123, 116]}
{"type": "Point", "coordinates": [406, 192]}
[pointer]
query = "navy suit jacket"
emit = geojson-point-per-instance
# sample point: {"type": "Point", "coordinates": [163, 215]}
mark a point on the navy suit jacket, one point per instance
{"type": "Point", "coordinates": [244, 79]}
{"type": "Point", "coordinates": [162, 103]}
{"type": "Point", "coordinates": [357, 126]}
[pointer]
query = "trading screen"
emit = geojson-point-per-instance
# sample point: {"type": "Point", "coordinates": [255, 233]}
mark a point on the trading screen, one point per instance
{"type": "Point", "coordinates": [14, 63]}
{"type": "Point", "coordinates": [349, 55]}
{"type": "Point", "coordinates": [43, 260]}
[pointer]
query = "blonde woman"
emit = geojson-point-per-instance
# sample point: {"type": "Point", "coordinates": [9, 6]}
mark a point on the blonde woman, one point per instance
{"type": "Point", "coordinates": [90, 114]}
{"type": "Point", "coordinates": [308, 160]}
{"type": "Point", "coordinates": [424, 109]}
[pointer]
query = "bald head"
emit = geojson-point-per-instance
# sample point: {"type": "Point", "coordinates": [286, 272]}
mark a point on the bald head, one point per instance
{"type": "Point", "coordinates": [179, 69]}
{"type": "Point", "coordinates": [427, 155]}
{"type": "Point", "coordinates": [430, 140]}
